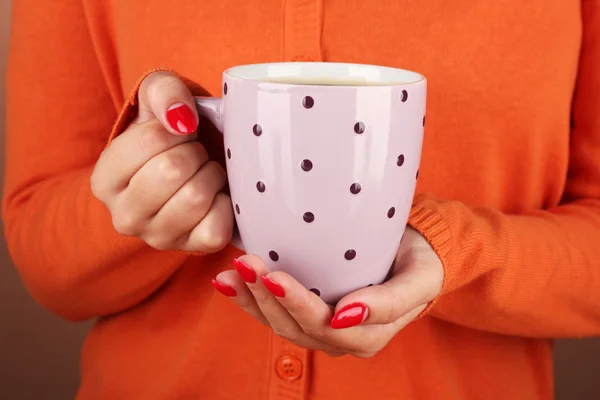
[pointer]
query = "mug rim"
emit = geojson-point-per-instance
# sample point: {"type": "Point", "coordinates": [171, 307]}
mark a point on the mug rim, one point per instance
{"type": "Point", "coordinates": [241, 72]}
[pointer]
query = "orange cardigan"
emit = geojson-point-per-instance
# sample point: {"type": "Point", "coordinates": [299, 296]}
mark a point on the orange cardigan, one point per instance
{"type": "Point", "coordinates": [508, 195]}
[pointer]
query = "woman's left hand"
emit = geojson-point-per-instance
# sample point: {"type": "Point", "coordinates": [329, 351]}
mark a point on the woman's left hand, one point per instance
{"type": "Point", "coordinates": [362, 323]}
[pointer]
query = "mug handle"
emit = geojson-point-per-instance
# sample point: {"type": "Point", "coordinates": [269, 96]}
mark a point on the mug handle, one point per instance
{"type": "Point", "coordinates": [212, 109]}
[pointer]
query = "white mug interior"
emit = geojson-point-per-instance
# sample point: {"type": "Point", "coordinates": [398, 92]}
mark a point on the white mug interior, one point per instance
{"type": "Point", "coordinates": [324, 71]}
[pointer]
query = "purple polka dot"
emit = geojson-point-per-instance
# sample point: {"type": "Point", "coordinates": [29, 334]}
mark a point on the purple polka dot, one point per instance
{"type": "Point", "coordinates": [315, 291]}
{"type": "Point", "coordinates": [308, 217]}
{"type": "Point", "coordinates": [229, 153]}
{"type": "Point", "coordinates": [273, 255]}
{"type": "Point", "coordinates": [355, 188]}
{"type": "Point", "coordinates": [423, 120]}
{"type": "Point", "coordinates": [404, 96]}
{"type": "Point", "coordinates": [225, 88]}
{"type": "Point", "coordinates": [400, 160]}
{"type": "Point", "coordinates": [369, 285]}
{"type": "Point", "coordinates": [391, 212]}
{"type": "Point", "coordinates": [350, 254]}
{"type": "Point", "coordinates": [359, 127]}
{"type": "Point", "coordinates": [260, 186]}
{"type": "Point", "coordinates": [237, 208]}
{"type": "Point", "coordinates": [306, 165]}
{"type": "Point", "coordinates": [308, 102]}
{"type": "Point", "coordinates": [257, 129]}
{"type": "Point", "coordinates": [417, 175]}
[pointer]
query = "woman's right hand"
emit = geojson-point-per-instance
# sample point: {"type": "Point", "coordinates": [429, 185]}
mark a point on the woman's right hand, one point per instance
{"type": "Point", "coordinates": [157, 180]}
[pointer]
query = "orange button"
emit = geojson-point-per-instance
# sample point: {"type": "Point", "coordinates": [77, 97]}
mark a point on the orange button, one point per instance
{"type": "Point", "coordinates": [289, 367]}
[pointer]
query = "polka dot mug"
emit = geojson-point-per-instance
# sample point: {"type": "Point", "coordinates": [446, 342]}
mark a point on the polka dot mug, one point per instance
{"type": "Point", "coordinates": [322, 160]}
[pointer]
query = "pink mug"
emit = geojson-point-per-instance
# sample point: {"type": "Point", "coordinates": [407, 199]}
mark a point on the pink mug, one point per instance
{"type": "Point", "coordinates": [322, 175]}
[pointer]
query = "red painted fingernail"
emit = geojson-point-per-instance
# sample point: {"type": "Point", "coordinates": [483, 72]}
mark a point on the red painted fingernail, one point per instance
{"type": "Point", "coordinates": [273, 287]}
{"type": "Point", "coordinates": [223, 288]}
{"type": "Point", "coordinates": [181, 118]}
{"type": "Point", "coordinates": [351, 315]}
{"type": "Point", "coordinates": [245, 271]}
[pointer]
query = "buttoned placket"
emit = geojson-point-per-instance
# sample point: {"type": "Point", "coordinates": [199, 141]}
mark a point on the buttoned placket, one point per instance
{"type": "Point", "coordinates": [289, 364]}
{"type": "Point", "coordinates": [289, 370]}
{"type": "Point", "coordinates": [302, 25]}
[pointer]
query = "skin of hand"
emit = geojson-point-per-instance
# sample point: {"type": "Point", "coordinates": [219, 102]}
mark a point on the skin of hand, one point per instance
{"type": "Point", "coordinates": [361, 324]}
{"type": "Point", "coordinates": [156, 178]}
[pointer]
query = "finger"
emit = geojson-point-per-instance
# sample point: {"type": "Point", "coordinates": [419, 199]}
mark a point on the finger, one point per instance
{"type": "Point", "coordinates": [155, 183]}
{"type": "Point", "coordinates": [414, 283]}
{"type": "Point", "coordinates": [127, 153]}
{"type": "Point", "coordinates": [313, 316]}
{"type": "Point", "coordinates": [188, 206]}
{"type": "Point", "coordinates": [233, 286]}
{"type": "Point", "coordinates": [364, 341]}
{"type": "Point", "coordinates": [306, 308]}
{"type": "Point", "coordinates": [215, 230]}
{"type": "Point", "coordinates": [252, 269]}
{"type": "Point", "coordinates": [164, 96]}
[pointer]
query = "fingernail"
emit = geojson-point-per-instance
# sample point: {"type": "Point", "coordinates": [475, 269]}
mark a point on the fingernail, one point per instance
{"type": "Point", "coordinates": [181, 118]}
{"type": "Point", "coordinates": [245, 271]}
{"type": "Point", "coordinates": [273, 287]}
{"type": "Point", "coordinates": [223, 288]}
{"type": "Point", "coordinates": [351, 315]}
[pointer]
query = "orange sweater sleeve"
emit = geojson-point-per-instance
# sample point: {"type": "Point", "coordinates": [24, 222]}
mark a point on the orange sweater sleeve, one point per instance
{"type": "Point", "coordinates": [60, 114]}
{"type": "Point", "coordinates": [536, 274]}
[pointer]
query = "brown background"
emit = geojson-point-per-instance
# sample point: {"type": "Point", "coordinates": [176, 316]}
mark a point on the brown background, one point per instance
{"type": "Point", "coordinates": [39, 352]}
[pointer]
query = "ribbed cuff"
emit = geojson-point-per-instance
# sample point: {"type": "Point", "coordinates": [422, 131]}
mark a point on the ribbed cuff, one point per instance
{"type": "Point", "coordinates": [426, 218]}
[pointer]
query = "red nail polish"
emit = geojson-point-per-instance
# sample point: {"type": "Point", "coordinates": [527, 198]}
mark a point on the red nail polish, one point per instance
{"type": "Point", "coordinates": [181, 118]}
{"type": "Point", "coordinates": [223, 288]}
{"type": "Point", "coordinates": [351, 315]}
{"type": "Point", "coordinates": [273, 287]}
{"type": "Point", "coordinates": [245, 271]}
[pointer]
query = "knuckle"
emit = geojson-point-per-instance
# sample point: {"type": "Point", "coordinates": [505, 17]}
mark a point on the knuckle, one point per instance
{"type": "Point", "coordinates": [215, 238]}
{"type": "Point", "coordinates": [102, 182]}
{"type": "Point", "coordinates": [97, 186]}
{"type": "Point", "coordinates": [196, 196]}
{"type": "Point", "coordinates": [216, 170]}
{"type": "Point", "coordinates": [126, 224]}
{"type": "Point", "coordinates": [223, 236]}
{"type": "Point", "coordinates": [213, 241]}
{"type": "Point", "coordinates": [199, 151]}
{"type": "Point", "coordinates": [171, 168]}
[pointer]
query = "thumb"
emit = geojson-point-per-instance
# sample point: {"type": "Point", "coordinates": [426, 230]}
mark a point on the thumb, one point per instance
{"type": "Point", "coordinates": [416, 280]}
{"type": "Point", "coordinates": [164, 96]}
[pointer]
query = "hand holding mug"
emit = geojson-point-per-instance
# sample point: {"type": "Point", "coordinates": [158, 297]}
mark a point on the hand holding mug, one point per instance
{"type": "Point", "coordinates": [361, 324]}
{"type": "Point", "coordinates": [157, 180]}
